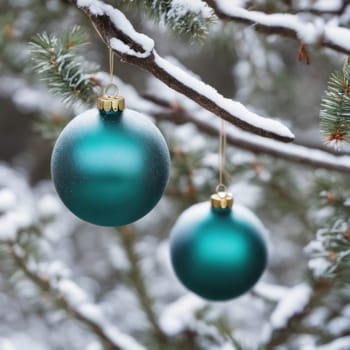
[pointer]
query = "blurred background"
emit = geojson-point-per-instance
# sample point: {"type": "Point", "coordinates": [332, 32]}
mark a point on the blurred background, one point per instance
{"type": "Point", "coordinates": [302, 301]}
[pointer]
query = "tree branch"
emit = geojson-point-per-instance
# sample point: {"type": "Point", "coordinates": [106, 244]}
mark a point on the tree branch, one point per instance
{"type": "Point", "coordinates": [280, 336]}
{"type": "Point", "coordinates": [132, 47]}
{"type": "Point", "coordinates": [311, 157]}
{"type": "Point", "coordinates": [110, 336]}
{"type": "Point", "coordinates": [288, 25]}
{"type": "Point", "coordinates": [128, 238]}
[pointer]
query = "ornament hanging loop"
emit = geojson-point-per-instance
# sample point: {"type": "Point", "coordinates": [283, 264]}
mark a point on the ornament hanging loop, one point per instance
{"type": "Point", "coordinates": [110, 86]}
{"type": "Point", "coordinates": [111, 101]}
{"type": "Point", "coordinates": [221, 189]}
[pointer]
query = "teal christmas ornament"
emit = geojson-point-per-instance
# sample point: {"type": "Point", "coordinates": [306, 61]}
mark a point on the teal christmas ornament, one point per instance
{"type": "Point", "coordinates": [110, 166]}
{"type": "Point", "coordinates": [218, 252]}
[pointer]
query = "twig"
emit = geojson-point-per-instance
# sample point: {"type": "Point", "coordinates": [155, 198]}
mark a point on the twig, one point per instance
{"type": "Point", "coordinates": [45, 285]}
{"type": "Point", "coordinates": [133, 47]}
{"type": "Point", "coordinates": [128, 240]}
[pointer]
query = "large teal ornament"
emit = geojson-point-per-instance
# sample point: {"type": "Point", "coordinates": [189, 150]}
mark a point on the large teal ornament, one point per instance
{"type": "Point", "coordinates": [110, 168]}
{"type": "Point", "coordinates": [218, 253]}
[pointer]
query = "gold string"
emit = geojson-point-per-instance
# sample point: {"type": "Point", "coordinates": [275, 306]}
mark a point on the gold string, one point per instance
{"type": "Point", "coordinates": [222, 151]}
{"type": "Point", "coordinates": [111, 64]}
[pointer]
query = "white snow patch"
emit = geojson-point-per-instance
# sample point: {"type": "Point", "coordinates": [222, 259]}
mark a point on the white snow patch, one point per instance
{"type": "Point", "coordinates": [326, 5]}
{"type": "Point", "coordinates": [11, 222]}
{"type": "Point", "coordinates": [7, 199]}
{"type": "Point", "coordinates": [319, 266]}
{"type": "Point", "coordinates": [270, 291]}
{"type": "Point", "coordinates": [294, 302]}
{"type": "Point", "coordinates": [78, 300]}
{"type": "Point", "coordinates": [72, 293]}
{"type": "Point", "coordinates": [339, 344]}
{"type": "Point", "coordinates": [339, 325]}
{"type": "Point", "coordinates": [48, 206]}
{"type": "Point", "coordinates": [122, 340]}
{"type": "Point", "coordinates": [181, 7]}
{"type": "Point", "coordinates": [180, 314]}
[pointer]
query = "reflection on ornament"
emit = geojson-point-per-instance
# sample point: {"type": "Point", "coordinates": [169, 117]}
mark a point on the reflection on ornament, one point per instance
{"type": "Point", "coordinates": [218, 252]}
{"type": "Point", "coordinates": [110, 166]}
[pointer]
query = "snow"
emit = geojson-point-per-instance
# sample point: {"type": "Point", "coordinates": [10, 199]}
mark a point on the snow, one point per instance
{"type": "Point", "coordinates": [48, 206]}
{"type": "Point", "coordinates": [232, 107]}
{"type": "Point", "coordinates": [72, 293]}
{"type": "Point", "coordinates": [12, 221]}
{"type": "Point", "coordinates": [319, 266]}
{"type": "Point", "coordinates": [293, 303]}
{"type": "Point", "coordinates": [326, 5]}
{"type": "Point", "coordinates": [99, 8]}
{"type": "Point", "coordinates": [8, 227]}
{"type": "Point", "coordinates": [270, 291]}
{"type": "Point", "coordinates": [338, 344]}
{"type": "Point", "coordinates": [339, 325]}
{"type": "Point", "coordinates": [7, 199]}
{"type": "Point", "coordinates": [78, 300]}
{"type": "Point", "coordinates": [181, 7]}
{"type": "Point", "coordinates": [119, 46]}
{"type": "Point", "coordinates": [180, 314]}
{"type": "Point", "coordinates": [308, 32]}
{"type": "Point", "coordinates": [338, 36]}
{"type": "Point", "coordinates": [122, 340]}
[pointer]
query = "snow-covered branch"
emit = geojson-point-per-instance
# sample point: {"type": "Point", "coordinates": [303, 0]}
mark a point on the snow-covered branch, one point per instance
{"type": "Point", "coordinates": [74, 301]}
{"type": "Point", "coordinates": [312, 33]}
{"type": "Point", "coordinates": [136, 48]}
{"type": "Point", "coordinates": [312, 157]}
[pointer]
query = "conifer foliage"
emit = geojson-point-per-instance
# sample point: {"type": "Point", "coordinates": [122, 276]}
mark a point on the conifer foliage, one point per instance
{"type": "Point", "coordinates": [335, 108]}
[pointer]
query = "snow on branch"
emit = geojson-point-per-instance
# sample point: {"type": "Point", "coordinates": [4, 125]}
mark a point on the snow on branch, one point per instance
{"type": "Point", "coordinates": [138, 49]}
{"type": "Point", "coordinates": [308, 156]}
{"type": "Point", "coordinates": [73, 299]}
{"type": "Point", "coordinates": [313, 33]}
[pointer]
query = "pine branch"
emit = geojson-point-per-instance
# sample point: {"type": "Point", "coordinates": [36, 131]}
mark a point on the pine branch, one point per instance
{"type": "Point", "coordinates": [281, 336]}
{"type": "Point", "coordinates": [193, 20]}
{"type": "Point", "coordinates": [138, 49]}
{"type": "Point", "coordinates": [63, 293]}
{"type": "Point", "coordinates": [286, 25]}
{"type": "Point", "coordinates": [57, 62]}
{"type": "Point", "coordinates": [329, 267]}
{"type": "Point", "coordinates": [335, 108]}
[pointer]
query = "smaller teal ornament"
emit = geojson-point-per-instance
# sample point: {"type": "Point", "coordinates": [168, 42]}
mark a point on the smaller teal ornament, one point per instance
{"type": "Point", "coordinates": [110, 166]}
{"type": "Point", "coordinates": [218, 252]}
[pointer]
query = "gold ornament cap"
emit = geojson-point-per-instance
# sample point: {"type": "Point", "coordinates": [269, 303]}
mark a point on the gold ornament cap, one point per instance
{"type": "Point", "coordinates": [221, 200]}
{"type": "Point", "coordinates": [108, 103]}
